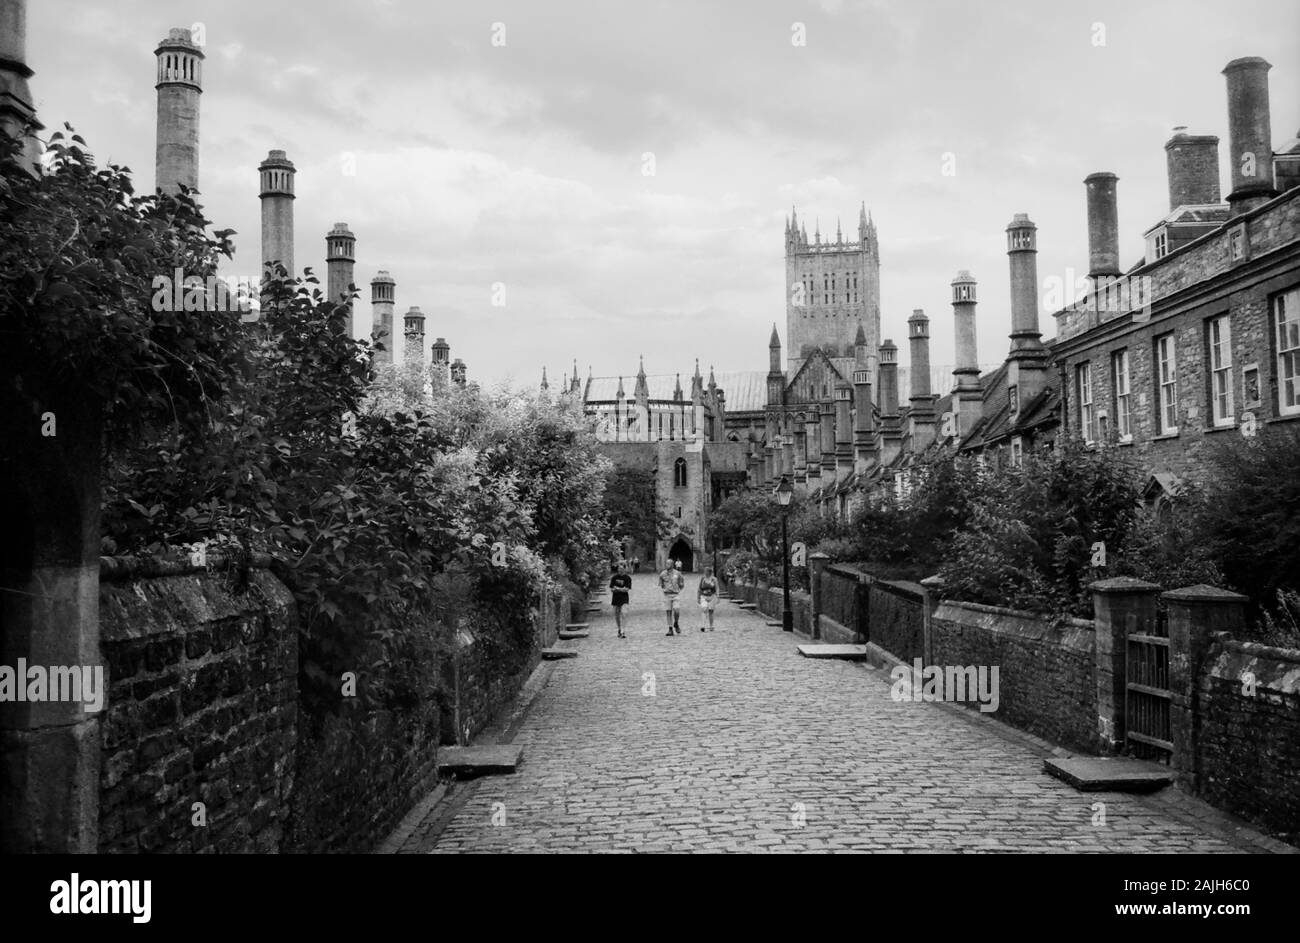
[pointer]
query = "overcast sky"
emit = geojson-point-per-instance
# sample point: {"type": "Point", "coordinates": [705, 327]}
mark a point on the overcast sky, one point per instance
{"type": "Point", "coordinates": [523, 163]}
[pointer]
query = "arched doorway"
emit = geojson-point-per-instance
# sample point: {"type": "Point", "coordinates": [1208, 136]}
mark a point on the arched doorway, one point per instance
{"type": "Point", "coordinates": [681, 550]}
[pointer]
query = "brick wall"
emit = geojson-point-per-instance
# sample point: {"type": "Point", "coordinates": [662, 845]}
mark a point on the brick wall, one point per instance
{"type": "Point", "coordinates": [202, 691]}
{"type": "Point", "coordinates": [1249, 743]}
{"type": "Point", "coordinates": [1046, 680]}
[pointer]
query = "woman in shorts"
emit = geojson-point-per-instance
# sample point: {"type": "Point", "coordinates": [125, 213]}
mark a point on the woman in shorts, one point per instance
{"type": "Point", "coordinates": [707, 594]}
{"type": "Point", "coordinates": [620, 585]}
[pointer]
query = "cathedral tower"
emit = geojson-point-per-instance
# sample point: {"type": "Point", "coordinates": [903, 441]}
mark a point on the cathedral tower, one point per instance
{"type": "Point", "coordinates": [832, 288]}
{"type": "Point", "coordinates": [180, 83]}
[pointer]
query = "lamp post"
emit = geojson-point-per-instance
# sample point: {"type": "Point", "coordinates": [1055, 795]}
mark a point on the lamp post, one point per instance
{"type": "Point", "coordinates": [784, 492]}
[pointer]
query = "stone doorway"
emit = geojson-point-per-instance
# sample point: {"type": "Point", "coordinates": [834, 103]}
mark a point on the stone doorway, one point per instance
{"type": "Point", "coordinates": [681, 550]}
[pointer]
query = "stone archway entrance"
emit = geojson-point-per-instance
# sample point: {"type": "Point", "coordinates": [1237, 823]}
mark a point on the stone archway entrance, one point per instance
{"type": "Point", "coordinates": [681, 550]}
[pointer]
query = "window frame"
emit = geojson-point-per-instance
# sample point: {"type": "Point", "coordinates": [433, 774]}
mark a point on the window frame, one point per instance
{"type": "Point", "coordinates": [1159, 364]}
{"type": "Point", "coordinates": [1122, 394]}
{"type": "Point", "coordinates": [1276, 308]}
{"type": "Point", "coordinates": [1087, 407]}
{"type": "Point", "coordinates": [1218, 370]}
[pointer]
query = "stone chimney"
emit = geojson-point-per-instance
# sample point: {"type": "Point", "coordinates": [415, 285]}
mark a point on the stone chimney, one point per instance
{"type": "Point", "coordinates": [864, 420]}
{"type": "Point", "coordinates": [1193, 165]}
{"type": "Point", "coordinates": [414, 350]}
{"type": "Point", "coordinates": [17, 110]}
{"type": "Point", "coordinates": [179, 85]}
{"type": "Point", "coordinates": [277, 173]}
{"type": "Point", "coordinates": [967, 402]}
{"type": "Point", "coordinates": [1027, 362]}
{"type": "Point", "coordinates": [1250, 136]}
{"type": "Point", "coordinates": [843, 432]}
{"type": "Point", "coordinates": [826, 420]}
{"type": "Point", "coordinates": [340, 264]}
{"type": "Point", "coordinates": [382, 289]}
{"type": "Point", "coordinates": [921, 413]}
{"type": "Point", "coordinates": [891, 427]}
{"type": "Point", "coordinates": [1103, 229]}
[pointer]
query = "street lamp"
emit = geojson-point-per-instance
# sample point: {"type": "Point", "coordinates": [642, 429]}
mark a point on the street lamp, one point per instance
{"type": "Point", "coordinates": [784, 492]}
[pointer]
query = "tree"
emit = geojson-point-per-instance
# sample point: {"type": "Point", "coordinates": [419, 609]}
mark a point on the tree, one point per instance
{"type": "Point", "coordinates": [631, 506]}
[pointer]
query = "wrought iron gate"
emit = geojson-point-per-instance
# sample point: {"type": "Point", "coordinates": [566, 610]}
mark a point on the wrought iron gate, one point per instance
{"type": "Point", "coordinates": [1147, 701]}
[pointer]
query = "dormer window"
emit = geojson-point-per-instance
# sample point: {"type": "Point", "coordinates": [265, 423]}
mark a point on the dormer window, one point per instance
{"type": "Point", "coordinates": [1160, 245]}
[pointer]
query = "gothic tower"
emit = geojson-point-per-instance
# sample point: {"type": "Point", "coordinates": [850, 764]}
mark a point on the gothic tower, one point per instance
{"type": "Point", "coordinates": [831, 289]}
{"type": "Point", "coordinates": [277, 210]}
{"type": "Point", "coordinates": [180, 83]}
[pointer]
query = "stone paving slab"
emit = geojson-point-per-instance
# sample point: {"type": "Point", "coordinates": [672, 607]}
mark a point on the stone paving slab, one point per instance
{"type": "Point", "coordinates": [849, 652]}
{"type": "Point", "coordinates": [554, 654]}
{"type": "Point", "coordinates": [491, 760]}
{"type": "Point", "coordinates": [1105, 774]}
{"type": "Point", "coordinates": [566, 635]}
{"type": "Point", "coordinates": [726, 741]}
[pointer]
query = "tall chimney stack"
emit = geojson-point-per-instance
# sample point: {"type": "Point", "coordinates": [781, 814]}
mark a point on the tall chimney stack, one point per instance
{"type": "Point", "coordinates": [180, 83]}
{"type": "Point", "coordinates": [921, 411]}
{"type": "Point", "coordinates": [414, 351]}
{"type": "Point", "coordinates": [966, 371]}
{"type": "Point", "coordinates": [1022, 253]}
{"type": "Point", "coordinates": [340, 263]}
{"type": "Point", "coordinates": [891, 427]}
{"type": "Point", "coordinates": [440, 357]}
{"type": "Point", "coordinates": [1027, 362]}
{"type": "Point", "coordinates": [382, 290]}
{"type": "Point", "coordinates": [843, 432]}
{"type": "Point", "coordinates": [1103, 229]}
{"type": "Point", "coordinates": [967, 400]}
{"type": "Point", "coordinates": [277, 173]}
{"type": "Point", "coordinates": [1193, 164]}
{"type": "Point", "coordinates": [1250, 136]}
{"type": "Point", "coordinates": [864, 421]}
{"type": "Point", "coordinates": [17, 111]}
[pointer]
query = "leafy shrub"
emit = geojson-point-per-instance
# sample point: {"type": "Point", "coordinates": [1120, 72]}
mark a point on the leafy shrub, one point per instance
{"type": "Point", "coordinates": [1033, 531]}
{"type": "Point", "coordinates": [1250, 516]}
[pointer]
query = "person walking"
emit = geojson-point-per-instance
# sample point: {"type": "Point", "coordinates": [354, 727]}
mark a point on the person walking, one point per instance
{"type": "Point", "coordinates": [672, 583]}
{"type": "Point", "coordinates": [620, 585]}
{"type": "Point", "coordinates": [707, 595]}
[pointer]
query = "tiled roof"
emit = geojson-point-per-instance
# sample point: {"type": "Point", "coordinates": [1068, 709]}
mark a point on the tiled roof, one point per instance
{"type": "Point", "coordinates": [746, 390]}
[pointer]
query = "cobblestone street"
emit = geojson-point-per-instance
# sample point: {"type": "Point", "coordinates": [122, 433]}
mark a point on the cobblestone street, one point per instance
{"type": "Point", "coordinates": [731, 741]}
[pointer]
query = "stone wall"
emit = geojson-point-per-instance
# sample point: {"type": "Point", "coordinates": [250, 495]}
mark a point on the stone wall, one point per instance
{"type": "Point", "coordinates": [1045, 669]}
{"type": "Point", "coordinates": [1248, 748]}
{"type": "Point", "coordinates": [202, 692]}
{"type": "Point", "coordinates": [895, 618]}
{"type": "Point", "coordinates": [842, 591]}
{"type": "Point", "coordinates": [202, 674]}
